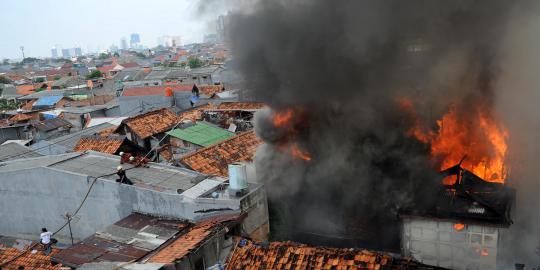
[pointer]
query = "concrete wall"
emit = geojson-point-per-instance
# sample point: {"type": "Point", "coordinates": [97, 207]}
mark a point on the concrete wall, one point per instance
{"type": "Point", "coordinates": [437, 242]}
{"type": "Point", "coordinates": [131, 105]}
{"type": "Point", "coordinates": [35, 198]}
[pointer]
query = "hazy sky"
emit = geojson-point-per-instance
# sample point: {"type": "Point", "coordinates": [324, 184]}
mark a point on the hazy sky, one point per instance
{"type": "Point", "coordinates": [40, 24]}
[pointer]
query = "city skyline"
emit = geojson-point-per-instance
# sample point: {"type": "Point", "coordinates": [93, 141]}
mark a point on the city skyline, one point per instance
{"type": "Point", "coordinates": [93, 29]}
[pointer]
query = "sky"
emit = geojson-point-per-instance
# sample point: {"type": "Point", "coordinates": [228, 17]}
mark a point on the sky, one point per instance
{"type": "Point", "coordinates": [38, 25]}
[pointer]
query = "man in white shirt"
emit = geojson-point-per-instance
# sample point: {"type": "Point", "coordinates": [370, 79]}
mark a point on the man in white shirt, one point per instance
{"type": "Point", "coordinates": [45, 239]}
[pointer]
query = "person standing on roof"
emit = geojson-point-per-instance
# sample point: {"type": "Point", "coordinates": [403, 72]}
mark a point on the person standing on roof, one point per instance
{"type": "Point", "coordinates": [122, 178]}
{"type": "Point", "coordinates": [45, 240]}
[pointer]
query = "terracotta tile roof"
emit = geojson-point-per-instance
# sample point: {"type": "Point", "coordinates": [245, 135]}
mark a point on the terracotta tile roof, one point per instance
{"type": "Point", "coordinates": [25, 89]}
{"type": "Point", "coordinates": [129, 65]}
{"type": "Point", "coordinates": [214, 159]}
{"type": "Point", "coordinates": [194, 114]}
{"type": "Point", "coordinates": [288, 255]}
{"type": "Point", "coordinates": [150, 123]}
{"type": "Point", "coordinates": [109, 144]}
{"type": "Point", "coordinates": [210, 89]}
{"type": "Point", "coordinates": [240, 106]}
{"type": "Point", "coordinates": [192, 239]}
{"type": "Point", "coordinates": [36, 261]}
{"type": "Point", "coordinates": [154, 90]}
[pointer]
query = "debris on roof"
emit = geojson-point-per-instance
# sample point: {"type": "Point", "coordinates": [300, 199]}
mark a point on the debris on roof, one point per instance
{"type": "Point", "coordinates": [29, 260]}
{"type": "Point", "coordinates": [20, 117]}
{"type": "Point", "coordinates": [150, 123]}
{"type": "Point", "coordinates": [109, 144]}
{"type": "Point", "coordinates": [194, 114]}
{"type": "Point", "coordinates": [209, 90]}
{"type": "Point", "coordinates": [214, 159]}
{"type": "Point", "coordinates": [51, 124]}
{"type": "Point", "coordinates": [288, 255]}
{"type": "Point", "coordinates": [193, 238]}
{"type": "Point", "coordinates": [128, 239]}
{"type": "Point", "coordinates": [240, 106]}
{"type": "Point", "coordinates": [201, 133]}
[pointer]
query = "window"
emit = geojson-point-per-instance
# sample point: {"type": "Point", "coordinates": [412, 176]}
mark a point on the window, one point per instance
{"type": "Point", "coordinates": [199, 264]}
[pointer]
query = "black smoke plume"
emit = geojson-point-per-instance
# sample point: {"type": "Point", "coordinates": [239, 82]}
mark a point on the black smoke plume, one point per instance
{"type": "Point", "coordinates": [344, 65]}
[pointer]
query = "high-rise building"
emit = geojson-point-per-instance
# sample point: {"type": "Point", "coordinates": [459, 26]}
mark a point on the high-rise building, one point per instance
{"type": "Point", "coordinates": [134, 40]}
{"type": "Point", "coordinates": [66, 53]}
{"type": "Point", "coordinates": [123, 44]}
{"type": "Point", "coordinates": [78, 51]}
{"type": "Point", "coordinates": [54, 52]}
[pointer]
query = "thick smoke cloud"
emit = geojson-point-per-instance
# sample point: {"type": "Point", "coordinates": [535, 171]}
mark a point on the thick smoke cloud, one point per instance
{"type": "Point", "coordinates": [346, 64]}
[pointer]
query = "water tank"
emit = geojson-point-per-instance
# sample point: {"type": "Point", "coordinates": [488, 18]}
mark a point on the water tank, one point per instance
{"type": "Point", "coordinates": [238, 178]}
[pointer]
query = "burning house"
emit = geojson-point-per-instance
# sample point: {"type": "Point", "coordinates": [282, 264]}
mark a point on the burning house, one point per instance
{"type": "Point", "coordinates": [368, 109]}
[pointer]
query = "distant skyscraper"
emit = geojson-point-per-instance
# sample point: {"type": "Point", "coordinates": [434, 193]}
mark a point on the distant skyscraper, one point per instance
{"type": "Point", "coordinates": [78, 51]}
{"type": "Point", "coordinates": [54, 52]}
{"type": "Point", "coordinates": [66, 53]}
{"type": "Point", "coordinates": [123, 44]}
{"type": "Point", "coordinates": [134, 40]}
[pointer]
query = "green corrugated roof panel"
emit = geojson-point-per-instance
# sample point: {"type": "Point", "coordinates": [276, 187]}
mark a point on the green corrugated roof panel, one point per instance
{"type": "Point", "coordinates": [202, 134]}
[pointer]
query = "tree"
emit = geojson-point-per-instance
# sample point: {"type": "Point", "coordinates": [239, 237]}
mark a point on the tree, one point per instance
{"type": "Point", "coordinates": [94, 74]}
{"type": "Point", "coordinates": [103, 56]}
{"type": "Point", "coordinates": [57, 77]}
{"type": "Point", "coordinates": [4, 80]}
{"type": "Point", "coordinates": [195, 62]}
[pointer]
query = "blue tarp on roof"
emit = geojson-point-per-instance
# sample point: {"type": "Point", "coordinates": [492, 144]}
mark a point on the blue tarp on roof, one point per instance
{"type": "Point", "coordinates": [47, 101]}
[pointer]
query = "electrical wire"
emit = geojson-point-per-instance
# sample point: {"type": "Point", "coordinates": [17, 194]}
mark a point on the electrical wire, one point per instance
{"type": "Point", "coordinates": [83, 202]}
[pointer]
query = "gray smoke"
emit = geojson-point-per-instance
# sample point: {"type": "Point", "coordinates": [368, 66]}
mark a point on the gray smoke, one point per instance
{"type": "Point", "coordinates": [343, 64]}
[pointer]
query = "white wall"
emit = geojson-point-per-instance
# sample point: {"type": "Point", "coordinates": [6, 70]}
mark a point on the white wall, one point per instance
{"type": "Point", "coordinates": [437, 242]}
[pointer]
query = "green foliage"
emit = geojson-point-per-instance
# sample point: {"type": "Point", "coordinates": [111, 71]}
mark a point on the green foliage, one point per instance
{"type": "Point", "coordinates": [39, 80]}
{"type": "Point", "coordinates": [7, 105]}
{"type": "Point", "coordinates": [141, 55]}
{"type": "Point", "coordinates": [94, 74]}
{"type": "Point", "coordinates": [4, 79]}
{"type": "Point", "coordinates": [103, 56]}
{"type": "Point", "coordinates": [116, 54]}
{"type": "Point", "coordinates": [195, 62]}
{"type": "Point", "coordinates": [28, 60]}
{"type": "Point", "coordinates": [57, 77]}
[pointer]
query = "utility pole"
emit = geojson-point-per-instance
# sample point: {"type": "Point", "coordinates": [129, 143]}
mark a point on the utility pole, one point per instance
{"type": "Point", "coordinates": [69, 217]}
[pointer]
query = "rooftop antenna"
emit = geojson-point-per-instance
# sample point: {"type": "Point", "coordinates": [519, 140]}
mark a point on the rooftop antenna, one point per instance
{"type": "Point", "coordinates": [22, 50]}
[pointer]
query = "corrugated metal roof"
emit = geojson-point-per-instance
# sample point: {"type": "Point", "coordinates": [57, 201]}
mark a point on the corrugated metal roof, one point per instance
{"type": "Point", "coordinates": [47, 101]}
{"type": "Point", "coordinates": [128, 239]}
{"type": "Point", "coordinates": [202, 133]}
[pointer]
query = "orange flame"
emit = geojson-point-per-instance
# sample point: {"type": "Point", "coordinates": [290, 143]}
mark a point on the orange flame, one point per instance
{"type": "Point", "coordinates": [282, 118]}
{"type": "Point", "coordinates": [477, 136]}
{"type": "Point", "coordinates": [299, 153]}
{"type": "Point", "coordinates": [459, 226]}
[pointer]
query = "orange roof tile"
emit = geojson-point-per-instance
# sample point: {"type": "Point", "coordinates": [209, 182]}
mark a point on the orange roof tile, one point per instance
{"type": "Point", "coordinates": [194, 114]}
{"type": "Point", "coordinates": [28, 105]}
{"type": "Point", "coordinates": [25, 89]}
{"type": "Point", "coordinates": [37, 261]}
{"type": "Point", "coordinates": [240, 106]}
{"type": "Point", "coordinates": [210, 89]}
{"type": "Point", "coordinates": [289, 255]}
{"type": "Point", "coordinates": [192, 239]}
{"type": "Point", "coordinates": [214, 159]}
{"type": "Point", "coordinates": [150, 123]}
{"type": "Point", "coordinates": [20, 117]}
{"type": "Point", "coordinates": [109, 144]}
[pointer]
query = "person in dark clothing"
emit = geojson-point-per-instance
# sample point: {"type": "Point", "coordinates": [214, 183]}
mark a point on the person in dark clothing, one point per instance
{"type": "Point", "coordinates": [122, 178]}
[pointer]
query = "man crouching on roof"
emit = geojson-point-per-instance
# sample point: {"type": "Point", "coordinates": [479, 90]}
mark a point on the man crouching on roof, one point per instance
{"type": "Point", "coordinates": [46, 240]}
{"type": "Point", "coordinates": [122, 178]}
